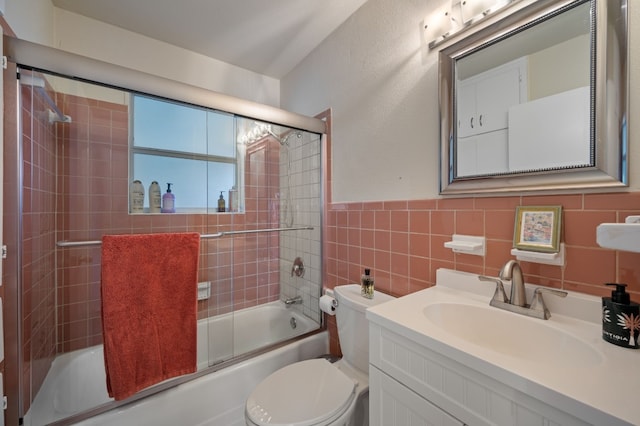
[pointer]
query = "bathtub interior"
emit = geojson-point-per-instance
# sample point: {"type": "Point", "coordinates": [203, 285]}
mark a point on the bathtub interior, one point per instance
{"type": "Point", "coordinates": [76, 382]}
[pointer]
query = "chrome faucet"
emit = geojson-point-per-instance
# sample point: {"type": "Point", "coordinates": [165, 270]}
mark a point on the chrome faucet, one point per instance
{"type": "Point", "coordinates": [511, 271]}
{"type": "Point", "coordinates": [293, 301]}
{"type": "Point", "coordinates": [518, 301]}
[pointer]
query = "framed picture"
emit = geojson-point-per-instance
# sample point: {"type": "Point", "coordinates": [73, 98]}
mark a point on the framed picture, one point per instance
{"type": "Point", "coordinates": [538, 228]}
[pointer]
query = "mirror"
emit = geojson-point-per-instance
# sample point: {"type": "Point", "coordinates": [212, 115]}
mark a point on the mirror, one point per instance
{"type": "Point", "coordinates": [537, 101]}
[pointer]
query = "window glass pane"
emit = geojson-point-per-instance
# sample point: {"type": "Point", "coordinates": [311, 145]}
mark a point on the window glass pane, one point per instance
{"type": "Point", "coordinates": [165, 125]}
{"type": "Point", "coordinates": [221, 132]}
{"type": "Point", "coordinates": [221, 178]}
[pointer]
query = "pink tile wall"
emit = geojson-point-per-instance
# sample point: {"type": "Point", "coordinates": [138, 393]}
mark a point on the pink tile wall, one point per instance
{"type": "Point", "coordinates": [403, 241]}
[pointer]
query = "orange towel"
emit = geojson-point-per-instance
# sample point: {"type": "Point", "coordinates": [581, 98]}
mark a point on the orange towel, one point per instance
{"type": "Point", "coordinates": [149, 309]}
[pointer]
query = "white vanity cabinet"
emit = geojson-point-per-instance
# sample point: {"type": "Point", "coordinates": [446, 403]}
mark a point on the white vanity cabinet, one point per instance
{"type": "Point", "coordinates": [483, 103]}
{"type": "Point", "coordinates": [444, 356]}
{"type": "Point", "coordinates": [392, 403]}
{"type": "Point", "coordinates": [411, 384]}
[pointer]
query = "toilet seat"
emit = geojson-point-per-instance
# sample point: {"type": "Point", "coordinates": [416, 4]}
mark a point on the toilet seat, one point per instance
{"type": "Point", "coordinates": [305, 393]}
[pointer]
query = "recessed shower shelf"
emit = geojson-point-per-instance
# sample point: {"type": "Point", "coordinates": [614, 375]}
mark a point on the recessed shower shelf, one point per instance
{"type": "Point", "coordinates": [539, 257]}
{"type": "Point", "coordinates": [466, 244]}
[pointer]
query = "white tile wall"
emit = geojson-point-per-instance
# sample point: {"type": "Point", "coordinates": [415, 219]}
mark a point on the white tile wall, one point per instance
{"type": "Point", "coordinates": [305, 169]}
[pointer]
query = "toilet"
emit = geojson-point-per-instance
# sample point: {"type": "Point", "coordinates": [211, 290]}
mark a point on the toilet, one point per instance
{"type": "Point", "coordinates": [317, 392]}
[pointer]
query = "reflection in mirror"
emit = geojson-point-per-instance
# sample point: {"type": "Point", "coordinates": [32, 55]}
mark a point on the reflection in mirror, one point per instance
{"type": "Point", "coordinates": [523, 107]}
{"type": "Point", "coordinates": [515, 97]}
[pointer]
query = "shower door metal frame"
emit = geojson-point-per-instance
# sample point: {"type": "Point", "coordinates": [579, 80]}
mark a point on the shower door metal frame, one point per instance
{"type": "Point", "coordinates": [13, 321]}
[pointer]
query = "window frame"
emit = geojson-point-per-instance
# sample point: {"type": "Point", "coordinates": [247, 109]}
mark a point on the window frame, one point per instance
{"type": "Point", "coordinates": [181, 154]}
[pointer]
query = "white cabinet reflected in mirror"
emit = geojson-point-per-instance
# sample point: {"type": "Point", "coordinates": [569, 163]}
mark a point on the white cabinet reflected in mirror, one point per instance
{"type": "Point", "coordinates": [537, 101]}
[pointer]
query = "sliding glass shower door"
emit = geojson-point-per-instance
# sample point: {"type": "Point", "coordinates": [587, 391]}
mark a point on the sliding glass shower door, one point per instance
{"type": "Point", "coordinates": [70, 177]}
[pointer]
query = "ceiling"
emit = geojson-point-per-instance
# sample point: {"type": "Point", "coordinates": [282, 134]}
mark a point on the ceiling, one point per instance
{"type": "Point", "coordinates": [269, 37]}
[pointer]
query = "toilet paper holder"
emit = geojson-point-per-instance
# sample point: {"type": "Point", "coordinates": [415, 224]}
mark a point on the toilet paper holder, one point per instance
{"type": "Point", "coordinates": [328, 303]}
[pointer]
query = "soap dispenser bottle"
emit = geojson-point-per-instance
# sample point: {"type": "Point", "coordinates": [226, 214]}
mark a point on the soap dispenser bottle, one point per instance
{"type": "Point", "coordinates": [221, 203]}
{"type": "Point", "coordinates": [366, 284]}
{"type": "Point", "coordinates": [620, 318]}
{"type": "Point", "coordinates": [168, 201]}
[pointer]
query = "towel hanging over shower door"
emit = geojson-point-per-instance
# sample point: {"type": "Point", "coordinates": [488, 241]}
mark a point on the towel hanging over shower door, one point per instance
{"type": "Point", "coordinates": [149, 309]}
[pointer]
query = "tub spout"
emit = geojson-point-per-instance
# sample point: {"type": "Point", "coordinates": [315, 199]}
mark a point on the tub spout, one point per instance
{"type": "Point", "coordinates": [293, 300]}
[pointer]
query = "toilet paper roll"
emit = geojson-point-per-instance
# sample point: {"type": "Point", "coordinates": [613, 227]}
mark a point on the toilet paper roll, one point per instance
{"type": "Point", "coordinates": [328, 304]}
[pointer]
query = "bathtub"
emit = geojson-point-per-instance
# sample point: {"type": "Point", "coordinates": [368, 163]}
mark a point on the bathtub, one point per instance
{"type": "Point", "coordinates": [76, 381]}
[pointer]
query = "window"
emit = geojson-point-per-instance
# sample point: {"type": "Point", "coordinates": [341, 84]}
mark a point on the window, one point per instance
{"type": "Point", "coordinates": [192, 148]}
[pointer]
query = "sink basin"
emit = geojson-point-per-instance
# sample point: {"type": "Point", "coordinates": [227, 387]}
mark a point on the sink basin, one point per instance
{"type": "Point", "coordinates": [511, 334]}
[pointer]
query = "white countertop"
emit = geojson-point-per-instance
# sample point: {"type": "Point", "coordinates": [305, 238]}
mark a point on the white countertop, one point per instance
{"type": "Point", "coordinates": [602, 389]}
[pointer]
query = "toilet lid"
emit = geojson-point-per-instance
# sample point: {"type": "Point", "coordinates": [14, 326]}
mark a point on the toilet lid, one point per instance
{"type": "Point", "coordinates": [302, 394]}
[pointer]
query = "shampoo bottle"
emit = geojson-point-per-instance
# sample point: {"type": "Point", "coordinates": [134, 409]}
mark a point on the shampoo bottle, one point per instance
{"type": "Point", "coordinates": [136, 197]}
{"type": "Point", "coordinates": [366, 284]}
{"type": "Point", "coordinates": [168, 201]}
{"type": "Point", "coordinates": [221, 203]}
{"type": "Point", "coordinates": [620, 318]}
{"type": "Point", "coordinates": [233, 199]}
{"type": "Point", "coordinates": [155, 198]}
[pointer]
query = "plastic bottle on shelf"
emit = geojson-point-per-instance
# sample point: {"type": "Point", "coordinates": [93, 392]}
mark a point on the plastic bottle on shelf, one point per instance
{"type": "Point", "coordinates": [155, 198]}
{"type": "Point", "coordinates": [168, 201]}
{"type": "Point", "coordinates": [233, 199]}
{"type": "Point", "coordinates": [136, 197]}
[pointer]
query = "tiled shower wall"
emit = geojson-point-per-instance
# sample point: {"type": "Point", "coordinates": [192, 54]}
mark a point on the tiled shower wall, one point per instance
{"type": "Point", "coordinates": [38, 256]}
{"type": "Point", "coordinates": [90, 169]}
{"type": "Point", "coordinates": [300, 172]}
{"type": "Point", "coordinates": [93, 170]}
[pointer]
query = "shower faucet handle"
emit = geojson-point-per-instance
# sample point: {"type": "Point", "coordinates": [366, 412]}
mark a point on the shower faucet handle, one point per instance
{"type": "Point", "coordinates": [298, 268]}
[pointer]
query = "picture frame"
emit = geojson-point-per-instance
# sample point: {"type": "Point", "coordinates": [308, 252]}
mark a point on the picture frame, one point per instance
{"type": "Point", "coordinates": [537, 228]}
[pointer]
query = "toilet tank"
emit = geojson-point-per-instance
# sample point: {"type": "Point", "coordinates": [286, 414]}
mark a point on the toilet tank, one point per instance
{"type": "Point", "coordinates": [353, 327]}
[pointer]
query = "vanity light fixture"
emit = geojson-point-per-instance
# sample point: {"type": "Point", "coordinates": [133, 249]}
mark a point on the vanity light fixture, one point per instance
{"type": "Point", "coordinates": [460, 15]}
{"type": "Point", "coordinates": [472, 10]}
{"type": "Point", "coordinates": [440, 24]}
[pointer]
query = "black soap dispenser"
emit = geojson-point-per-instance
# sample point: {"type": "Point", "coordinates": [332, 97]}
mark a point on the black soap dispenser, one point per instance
{"type": "Point", "coordinates": [620, 318]}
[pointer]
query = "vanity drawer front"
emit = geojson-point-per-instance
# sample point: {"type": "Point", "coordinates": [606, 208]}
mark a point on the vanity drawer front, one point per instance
{"type": "Point", "coordinates": [466, 394]}
{"type": "Point", "coordinates": [391, 403]}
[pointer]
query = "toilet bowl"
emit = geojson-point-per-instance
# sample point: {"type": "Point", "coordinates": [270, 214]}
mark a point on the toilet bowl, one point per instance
{"type": "Point", "coordinates": [317, 392]}
{"type": "Point", "coordinates": [306, 393]}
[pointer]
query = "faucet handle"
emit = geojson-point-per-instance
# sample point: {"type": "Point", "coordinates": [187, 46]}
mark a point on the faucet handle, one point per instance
{"type": "Point", "coordinates": [559, 293]}
{"type": "Point", "coordinates": [500, 295]}
{"type": "Point", "coordinates": [538, 302]}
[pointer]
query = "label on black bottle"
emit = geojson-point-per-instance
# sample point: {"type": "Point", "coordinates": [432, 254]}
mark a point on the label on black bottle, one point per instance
{"type": "Point", "coordinates": [621, 324]}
